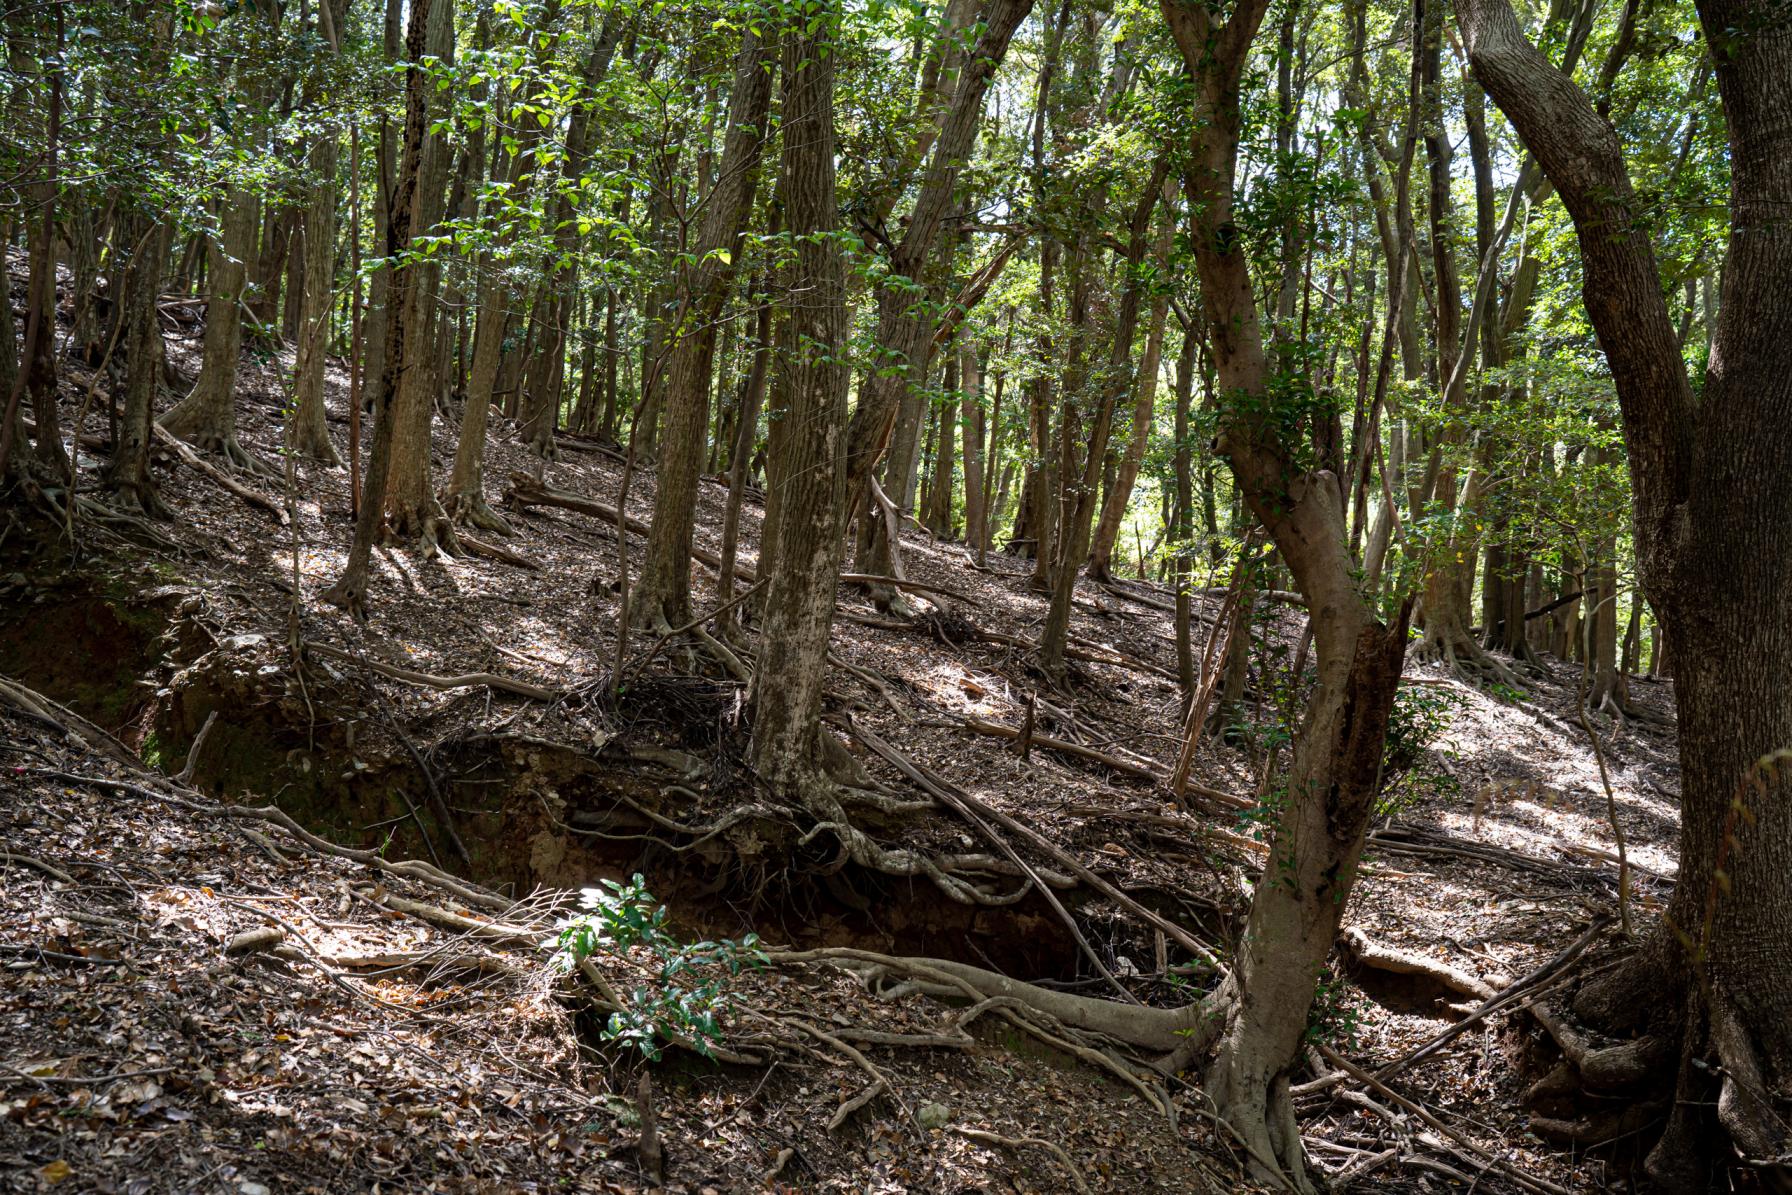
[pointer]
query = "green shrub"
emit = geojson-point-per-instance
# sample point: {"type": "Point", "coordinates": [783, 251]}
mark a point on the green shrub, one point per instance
{"type": "Point", "coordinates": [688, 993]}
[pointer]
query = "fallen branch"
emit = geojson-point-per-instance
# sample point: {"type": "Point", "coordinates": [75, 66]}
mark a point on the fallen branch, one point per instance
{"type": "Point", "coordinates": [260, 938]}
{"type": "Point", "coordinates": [1115, 660]}
{"type": "Point", "coordinates": [985, 1137]}
{"type": "Point", "coordinates": [32, 861]}
{"type": "Point", "coordinates": [1124, 767]}
{"type": "Point", "coordinates": [490, 680]}
{"type": "Point", "coordinates": [199, 464]}
{"type": "Point", "coordinates": [904, 583]}
{"type": "Point", "coordinates": [493, 552]}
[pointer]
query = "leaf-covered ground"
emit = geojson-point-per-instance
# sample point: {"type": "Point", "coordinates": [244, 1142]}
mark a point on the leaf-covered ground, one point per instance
{"type": "Point", "coordinates": [371, 1044]}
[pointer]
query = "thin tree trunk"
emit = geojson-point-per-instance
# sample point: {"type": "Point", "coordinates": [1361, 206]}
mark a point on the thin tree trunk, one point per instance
{"type": "Point", "coordinates": [664, 594]}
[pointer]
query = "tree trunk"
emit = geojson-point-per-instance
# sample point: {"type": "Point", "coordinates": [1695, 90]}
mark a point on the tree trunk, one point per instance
{"type": "Point", "coordinates": [412, 512]}
{"type": "Point", "coordinates": [1711, 479]}
{"type": "Point", "coordinates": [940, 481]}
{"type": "Point", "coordinates": [309, 433]}
{"type": "Point", "coordinates": [807, 467]}
{"type": "Point", "coordinates": [141, 341]}
{"type": "Point", "coordinates": [1113, 509]}
{"type": "Point", "coordinates": [1336, 771]}
{"type": "Point", "coordinates": [664, 596]}
{"type": "Point", "coordinates": [970, 382]}
{"type": "Point", "coordinates": [350, 590]}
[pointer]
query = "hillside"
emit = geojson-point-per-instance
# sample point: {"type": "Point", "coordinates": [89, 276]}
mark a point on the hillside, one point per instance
{"type": "Point", "coordinates": [219, 976]}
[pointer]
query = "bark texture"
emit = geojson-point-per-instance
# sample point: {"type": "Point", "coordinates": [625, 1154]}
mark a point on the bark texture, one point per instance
{"type": "Point", "coordinates": [1711, 481]}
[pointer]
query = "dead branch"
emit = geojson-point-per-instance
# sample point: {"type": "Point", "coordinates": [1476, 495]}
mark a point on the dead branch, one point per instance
{"type": "Point", "coordinates": [1125, 767]}
{"type": "Point", "coordinates": [490, 680]}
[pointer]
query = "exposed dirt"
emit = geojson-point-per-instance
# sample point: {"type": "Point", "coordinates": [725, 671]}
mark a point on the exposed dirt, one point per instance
{"type": "Point", "coordinates": [558, 794]}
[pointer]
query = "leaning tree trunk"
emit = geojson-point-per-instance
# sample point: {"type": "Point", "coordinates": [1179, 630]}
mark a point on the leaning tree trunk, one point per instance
{"type": "Point", "coordinates": [1320, 830]}
{"type": "Point", "coordinates": [664, 595]}
{"type": "Point", "coordinates": [905, 327]}
{"type": "Point", "coordinates": [1712, 480]}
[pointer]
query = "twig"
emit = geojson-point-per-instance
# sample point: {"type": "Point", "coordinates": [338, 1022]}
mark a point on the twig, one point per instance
{"type": "Point", "coordinates": [986, 1137]}
{"type": "Point", "coordinates": [185, 775]}
{"type": "Point", "coordinates": [55, 873]}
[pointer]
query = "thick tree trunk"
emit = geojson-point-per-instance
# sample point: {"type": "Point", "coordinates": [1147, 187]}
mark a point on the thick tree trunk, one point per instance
{"type": "Point", "coordinates": [1712, 480]}
{"type": "Point", "coordinates": [807, 467]}
{"type": "Point", "coordinates": [207, 416]}
{"type": "Point", "coordinates": [1337, 766]}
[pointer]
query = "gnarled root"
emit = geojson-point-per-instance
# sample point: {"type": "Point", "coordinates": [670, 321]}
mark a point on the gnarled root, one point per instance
{"type": "Point", "coordinates": [426, 523]}
{"type": "Point", "coordinates": [1463, 657]}
{"type": "Point", "coordinates": [200, 423]}
{"type": "Point", "coordinates": [468, 508]}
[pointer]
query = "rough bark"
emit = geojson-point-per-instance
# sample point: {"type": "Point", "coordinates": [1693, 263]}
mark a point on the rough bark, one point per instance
{"type": "Point", "coordinates": [807, 467]}
{"type": "Point", "coordinates": [664, 595]}
{"type": "Point", "coordinates": [1711, 481]}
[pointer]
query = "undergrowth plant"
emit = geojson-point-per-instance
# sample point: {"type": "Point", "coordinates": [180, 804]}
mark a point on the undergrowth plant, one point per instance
{"type": "Point", "coordinates": [689, 993]}
{"type": "Point", "coordinates": [1419, 719]}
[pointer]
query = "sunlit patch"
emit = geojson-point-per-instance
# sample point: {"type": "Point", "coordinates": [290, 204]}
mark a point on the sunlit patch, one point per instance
{"type": "Point", "coordinates": [957, 688]}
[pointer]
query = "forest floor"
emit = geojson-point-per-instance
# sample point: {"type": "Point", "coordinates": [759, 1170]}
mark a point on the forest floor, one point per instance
{"type": "Point", "coordinates": [390, 1025]}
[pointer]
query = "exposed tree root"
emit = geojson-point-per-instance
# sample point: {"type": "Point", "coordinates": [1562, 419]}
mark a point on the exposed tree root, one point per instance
{"type": "Point", "coordinates": [426, 523]}
{"type": "Point", "coordinates": [1465, 659]}
{"type": "Point", "coordinates": [468, 508]}
{"type": "Point", "coordinates": [205, 438]}
{"type": "Point", "coordinates": [199, 465]}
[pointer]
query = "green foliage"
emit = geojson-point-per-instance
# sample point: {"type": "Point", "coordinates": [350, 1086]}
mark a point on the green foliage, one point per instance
{"type": "Point", "coordinates": [1335, 1017]}
{"type": "Point", "coordinates": [1420, 717]}
{"type": "Point", "coordinates": [689, 992]}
